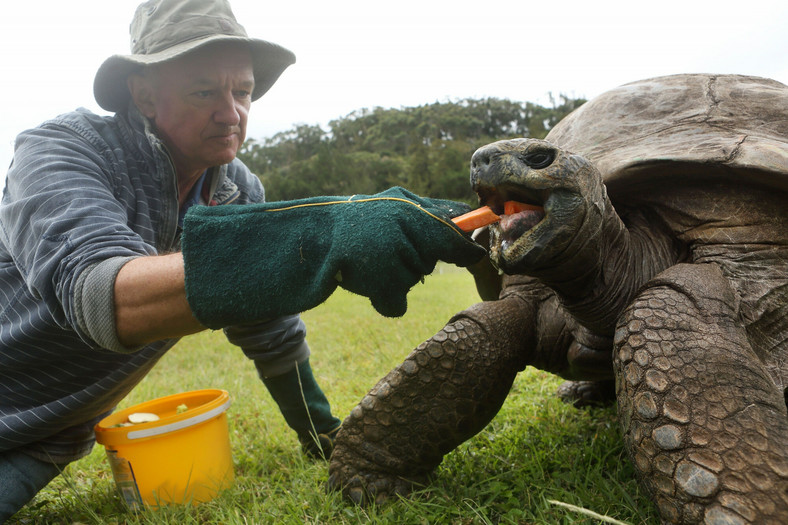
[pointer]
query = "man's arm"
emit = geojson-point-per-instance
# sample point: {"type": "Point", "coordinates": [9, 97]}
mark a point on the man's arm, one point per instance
{"type": "Point", "coordinates": [150, 301]}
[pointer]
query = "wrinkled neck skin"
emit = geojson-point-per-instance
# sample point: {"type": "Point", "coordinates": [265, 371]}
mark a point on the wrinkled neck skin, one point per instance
{"type": "Point", "coordinates": [598, 271]}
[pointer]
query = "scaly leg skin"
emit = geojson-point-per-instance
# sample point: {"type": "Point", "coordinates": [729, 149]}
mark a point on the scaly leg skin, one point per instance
{"type": "Point", "coordinates": [590, 371]}
{"type": "Point", "coordinates": [446, 391]}
{"type": "Point", "coordinates": [704, 423]}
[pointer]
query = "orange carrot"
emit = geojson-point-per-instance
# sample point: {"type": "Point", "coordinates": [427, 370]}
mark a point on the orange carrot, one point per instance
{"type": "Point", "coordinates": [483, 216]}
{"type": "Point", "coordinates": [512, 207]}
{"type": "Point", "coordinates": [476, 219]}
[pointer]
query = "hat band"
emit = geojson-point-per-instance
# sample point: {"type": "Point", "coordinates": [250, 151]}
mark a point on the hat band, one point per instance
{"type": "Point", "coordinates": [185, 31]}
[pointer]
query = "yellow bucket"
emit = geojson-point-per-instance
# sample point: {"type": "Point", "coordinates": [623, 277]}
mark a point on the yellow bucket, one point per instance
{"type": "Point", "coordinates": [184, 457]}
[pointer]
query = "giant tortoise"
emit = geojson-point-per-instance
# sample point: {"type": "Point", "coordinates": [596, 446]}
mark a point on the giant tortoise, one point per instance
{"type": "Point", "coordinates": [659, 260]}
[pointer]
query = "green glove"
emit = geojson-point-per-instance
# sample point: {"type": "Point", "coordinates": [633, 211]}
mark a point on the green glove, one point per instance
{"type": "Point", "coordinates": [245, 263]}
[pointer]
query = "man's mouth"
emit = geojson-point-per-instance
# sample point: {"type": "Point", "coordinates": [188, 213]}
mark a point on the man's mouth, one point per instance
{"type": "Point", "coordinates": [225, 134]}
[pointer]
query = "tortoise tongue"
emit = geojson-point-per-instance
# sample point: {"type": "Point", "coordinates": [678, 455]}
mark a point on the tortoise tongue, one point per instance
{"type": "Point", "coordinates": [518, 218]}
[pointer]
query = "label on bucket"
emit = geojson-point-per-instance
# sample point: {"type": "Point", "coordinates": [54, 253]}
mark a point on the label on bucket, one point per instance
{"type": "Point", "coordinates": [124, 479]}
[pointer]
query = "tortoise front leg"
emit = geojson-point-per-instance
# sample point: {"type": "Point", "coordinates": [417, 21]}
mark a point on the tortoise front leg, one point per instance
{"type": "Point", "coordinates": [704, 423]}
{"type": "Point", "coordinates": [446, 391]}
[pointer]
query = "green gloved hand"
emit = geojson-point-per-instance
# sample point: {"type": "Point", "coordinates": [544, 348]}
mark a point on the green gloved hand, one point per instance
{"type": "Point", "coordinates": [245, 263]}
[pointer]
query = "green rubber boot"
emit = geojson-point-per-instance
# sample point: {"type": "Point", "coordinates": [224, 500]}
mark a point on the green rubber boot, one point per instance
{"type": "Point", "coordinates": [305, 409]}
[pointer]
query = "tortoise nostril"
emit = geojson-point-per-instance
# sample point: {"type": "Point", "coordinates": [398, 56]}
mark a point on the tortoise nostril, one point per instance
{"type": "Point", "coordinates": [479, 161]}
{"type": "Point", "coordinates": [482, 157]}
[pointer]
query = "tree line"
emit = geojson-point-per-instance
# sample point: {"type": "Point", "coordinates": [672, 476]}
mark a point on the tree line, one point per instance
{"type": "Point", "coordinates": [426, 149]}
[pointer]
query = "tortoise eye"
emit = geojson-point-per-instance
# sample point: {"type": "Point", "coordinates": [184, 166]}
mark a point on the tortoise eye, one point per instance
{"type": "Point", "coordinates": [539, 159]}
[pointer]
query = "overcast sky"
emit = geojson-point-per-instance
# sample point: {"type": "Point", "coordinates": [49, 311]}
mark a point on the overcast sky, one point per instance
{"type": "Point", "coordinates": [357, 54]}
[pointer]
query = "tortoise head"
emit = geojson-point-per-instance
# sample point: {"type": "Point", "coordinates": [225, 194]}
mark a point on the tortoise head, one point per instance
{"type": "Point", "coordinates": [538, 173]}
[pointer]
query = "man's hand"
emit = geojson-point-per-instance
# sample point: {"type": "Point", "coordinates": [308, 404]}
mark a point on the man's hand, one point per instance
{"type": "Point", "coordinates": [249, 262]}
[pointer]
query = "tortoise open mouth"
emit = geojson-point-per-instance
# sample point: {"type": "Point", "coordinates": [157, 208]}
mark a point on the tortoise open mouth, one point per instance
{"type": "Point", "coordinates": [520, 209]}
{"type": "Point", "coordinates": [516, 225]}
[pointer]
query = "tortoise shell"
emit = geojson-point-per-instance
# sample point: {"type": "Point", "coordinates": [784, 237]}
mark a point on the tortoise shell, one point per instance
{"type": "Point", "coordinates": [698, 125]}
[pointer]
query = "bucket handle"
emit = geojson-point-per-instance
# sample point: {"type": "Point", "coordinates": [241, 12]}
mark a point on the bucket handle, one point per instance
{"type": "Point", "coordinates": [178, 425]}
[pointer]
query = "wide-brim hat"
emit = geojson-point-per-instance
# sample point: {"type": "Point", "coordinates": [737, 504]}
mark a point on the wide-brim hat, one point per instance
{"type": "Point", "coordinates": [165, 29]}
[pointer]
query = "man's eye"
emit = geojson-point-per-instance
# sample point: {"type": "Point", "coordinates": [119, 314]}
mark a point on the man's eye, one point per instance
{"type": "Point", "coordinates": [204, 94]}
{"type": "Point", "coordinates": [243, 94]}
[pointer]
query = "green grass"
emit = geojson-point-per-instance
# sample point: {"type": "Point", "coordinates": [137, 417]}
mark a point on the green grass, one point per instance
{"type": "Point", "coordinates": [535, 452]}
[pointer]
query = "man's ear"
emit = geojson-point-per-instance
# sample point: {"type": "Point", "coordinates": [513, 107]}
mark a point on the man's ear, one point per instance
{"type": "Point", "coordinates": [141, 89]}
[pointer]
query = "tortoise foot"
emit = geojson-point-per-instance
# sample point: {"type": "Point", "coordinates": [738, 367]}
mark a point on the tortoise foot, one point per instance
{"type": "Point", "coordinates": [587, 393]}
{"type": "Point", "coordinates": [365, 487]}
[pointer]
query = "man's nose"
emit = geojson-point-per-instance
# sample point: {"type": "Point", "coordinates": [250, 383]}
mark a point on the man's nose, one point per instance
{"type": "Point", "coordinates": [228, 110]}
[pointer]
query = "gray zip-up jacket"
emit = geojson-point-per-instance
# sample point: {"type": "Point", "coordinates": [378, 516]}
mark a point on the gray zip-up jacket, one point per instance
{"type": "Point", "coordinates": [85, 194]}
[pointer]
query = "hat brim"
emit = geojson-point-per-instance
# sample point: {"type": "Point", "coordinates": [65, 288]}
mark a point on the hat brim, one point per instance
{"type": "Point", "coordinates": [269, 60]}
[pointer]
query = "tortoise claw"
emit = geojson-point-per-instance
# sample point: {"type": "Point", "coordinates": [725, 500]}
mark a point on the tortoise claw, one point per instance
{"type": "Point", "coordinates": [365, 488]}
{"type": "Point", "coordinates": [587, 393]}
{"type": "Point", "coordinates": [356, 495]}
{"type": "Point", "coordinates": [371, 478]}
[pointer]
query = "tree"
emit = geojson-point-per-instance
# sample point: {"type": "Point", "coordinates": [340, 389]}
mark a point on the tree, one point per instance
{"type": "Point", "coordinates": [424, 148]}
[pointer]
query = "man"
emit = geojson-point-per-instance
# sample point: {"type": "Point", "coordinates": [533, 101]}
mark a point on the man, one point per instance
{"type": "Point", "coordinates": [102, 269]}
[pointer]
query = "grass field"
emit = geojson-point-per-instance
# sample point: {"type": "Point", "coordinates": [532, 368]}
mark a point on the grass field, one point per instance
{"type": "Point", "coordinates": [538, 461]}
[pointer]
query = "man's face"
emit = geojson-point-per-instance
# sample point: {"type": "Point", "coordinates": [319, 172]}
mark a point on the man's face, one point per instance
{"type": "Point", "coordinates": [199, 105]}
